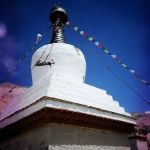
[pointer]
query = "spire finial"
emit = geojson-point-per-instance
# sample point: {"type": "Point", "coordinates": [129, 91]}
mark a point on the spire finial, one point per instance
{"type": "Point", "coordinates": [58, 17]}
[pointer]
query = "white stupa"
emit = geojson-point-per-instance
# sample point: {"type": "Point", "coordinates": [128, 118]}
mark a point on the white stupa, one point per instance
{"type": "Point", "coordinates": [58, 75]}
{"type": "Point", "coordinates": [60, 111]}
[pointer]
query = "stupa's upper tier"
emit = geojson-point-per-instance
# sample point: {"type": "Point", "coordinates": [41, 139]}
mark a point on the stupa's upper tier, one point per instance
{"type": "Point", "coordinates": [59, 60]}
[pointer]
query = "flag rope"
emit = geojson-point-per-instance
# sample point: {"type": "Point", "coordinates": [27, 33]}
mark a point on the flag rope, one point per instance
{"type": "Point", "coordinates": [106, 51]}
{"type": "Point", "coordinates": [38, 39]}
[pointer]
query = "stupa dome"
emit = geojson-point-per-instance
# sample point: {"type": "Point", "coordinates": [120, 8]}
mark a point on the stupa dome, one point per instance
{"type": "Point", "coordinates": [64, 61]}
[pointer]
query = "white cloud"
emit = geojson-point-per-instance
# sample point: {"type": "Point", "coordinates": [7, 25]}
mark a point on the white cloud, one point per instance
{"type": "Point", "coordinates": [3, 30]}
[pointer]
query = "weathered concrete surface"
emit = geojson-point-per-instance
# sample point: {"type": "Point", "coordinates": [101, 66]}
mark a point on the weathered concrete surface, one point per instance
{"type": "Point", "coordinates": [54, 136]}
{"type": "Point", "coordinates": [7, 92]}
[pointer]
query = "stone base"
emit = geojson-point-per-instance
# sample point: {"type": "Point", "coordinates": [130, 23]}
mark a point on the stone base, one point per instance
{"type": "Point", "coordinates": [52, 124]}
{"type": "Point", "coordinates": [54, 136]}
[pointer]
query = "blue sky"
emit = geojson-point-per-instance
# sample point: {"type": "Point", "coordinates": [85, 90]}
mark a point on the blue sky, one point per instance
{"type": "Point", "coordinates": [122, 25]}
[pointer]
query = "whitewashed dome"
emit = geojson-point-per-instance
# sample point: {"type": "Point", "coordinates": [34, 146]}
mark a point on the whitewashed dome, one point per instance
{"type": "Point", "coordinates": [68, 63]}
